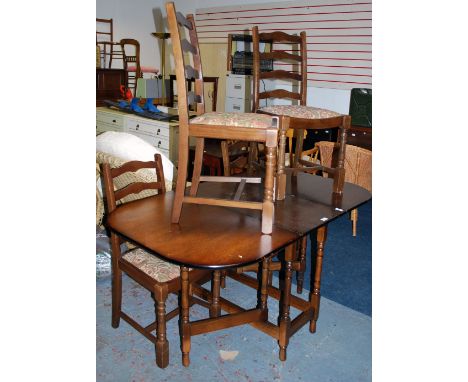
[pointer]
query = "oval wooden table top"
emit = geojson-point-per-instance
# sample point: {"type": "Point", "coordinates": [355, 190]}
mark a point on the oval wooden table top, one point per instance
{"type": "Point", "coordinates": [219, 237]}
{"type": "Point", "coordinates": [206, 236]}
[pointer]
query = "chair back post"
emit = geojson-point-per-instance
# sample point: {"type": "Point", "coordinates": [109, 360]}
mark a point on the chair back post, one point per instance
{"type": "Point", "coordinates": [256, 69]}
{"type": "Point", "coordinates": [303, 84]}
{"type": "Point", "coordinates": [200, 109]}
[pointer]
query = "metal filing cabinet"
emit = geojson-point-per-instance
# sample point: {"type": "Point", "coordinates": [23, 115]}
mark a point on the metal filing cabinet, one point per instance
{"type": "Point", "coordinates": [238, 93]}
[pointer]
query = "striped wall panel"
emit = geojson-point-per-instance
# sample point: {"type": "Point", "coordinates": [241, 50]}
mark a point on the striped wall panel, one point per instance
{"type": "Point", "coordinates": [339, 35]}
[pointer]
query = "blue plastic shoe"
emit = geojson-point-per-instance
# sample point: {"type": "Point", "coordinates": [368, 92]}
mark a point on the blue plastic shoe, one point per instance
{"type": "Point", "coordinates": [150, 106]}
{"type": "Point", "coordinates": [134, 105]}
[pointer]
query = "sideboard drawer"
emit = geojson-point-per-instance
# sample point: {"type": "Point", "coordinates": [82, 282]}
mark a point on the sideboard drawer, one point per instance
{"type": "Point", "coordinates": [156, 141]}
{"type": "Point", "coordinates": [112, 119]}
{"type": "Point", "coordinates": [135, 125]}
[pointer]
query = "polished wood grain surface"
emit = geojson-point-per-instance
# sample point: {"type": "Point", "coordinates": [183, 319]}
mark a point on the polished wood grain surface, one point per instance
{"type": "Point", "coordinates": [309, 201]}
{"type": "Point", "coordinates": [205, 237]}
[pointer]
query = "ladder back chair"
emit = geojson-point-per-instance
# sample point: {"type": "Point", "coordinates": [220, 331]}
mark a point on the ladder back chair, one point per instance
{"type": "Point", "coordinates": [132, 66]}
{"type": "Point", "coordinates": [123, 185]}
{"type": "Point", "coordinates": [250, 127]}
{"type": "Point", "coordinates": [227, 126]}
{"type": "Point", "coordinates": [131, 59]}
{"type": "Point", "coordinates": [297, 116]}
{"type": "Point", "coordinates": [108, 48]}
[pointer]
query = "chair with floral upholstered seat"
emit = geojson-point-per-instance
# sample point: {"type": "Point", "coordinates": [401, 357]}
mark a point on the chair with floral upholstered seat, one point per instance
{"type": "Point", "coordinates": [295, 116]}
{"type": "Point", "coordinates": [251, 127]}
{"type": "Point", "coordinates": [156, 275]}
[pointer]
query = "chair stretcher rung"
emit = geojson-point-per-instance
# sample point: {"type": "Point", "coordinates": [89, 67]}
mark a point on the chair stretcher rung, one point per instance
{"type": "Point", "coordinates": [229, 179]}
{"type": "Point", "coordinates": [224, 202]}
{"type": "Point", "coordinates": [138, 327]}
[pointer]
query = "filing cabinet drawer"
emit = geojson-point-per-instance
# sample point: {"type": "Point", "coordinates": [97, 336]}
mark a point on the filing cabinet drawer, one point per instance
{"type": "Point", "coordinates": [239, 105]}
{"type": "Point", "coordinates": [238, 86]}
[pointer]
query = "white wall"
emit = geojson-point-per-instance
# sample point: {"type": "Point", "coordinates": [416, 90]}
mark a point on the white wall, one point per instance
{"type": "Point", "coordinates": [138, 18]}
{"type": "Point", "coordinates": [334, 99]}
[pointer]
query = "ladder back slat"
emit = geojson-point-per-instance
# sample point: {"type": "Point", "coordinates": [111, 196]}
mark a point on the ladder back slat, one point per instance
{"type": "Point", "coordinates": [280, 74]}
{"type": "Point", "coordinates": [279, 93]}
{"type": "Point", "coordinates": [279, 37]}
{"type": "Point", "coordinates": [183, 21]}
{"type": "Point", "coordinates": [280, 56]}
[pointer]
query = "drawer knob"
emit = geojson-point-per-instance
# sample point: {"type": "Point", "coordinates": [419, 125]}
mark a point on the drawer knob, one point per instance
{"type": "Point", "coordinates": [159, 144]}
{"type": "Point", "coordinates": [114, 121]}
{"type": "Point", "coordinates": [157, 132]}
{"type": "Point", "coordinates": [137, 126]}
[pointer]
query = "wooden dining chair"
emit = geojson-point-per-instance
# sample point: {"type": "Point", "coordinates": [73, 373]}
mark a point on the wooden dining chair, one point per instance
{"type": "Point", "coordinates": [295, 116]}
{"type": "Point", "coordinates": [250, 127]}
{"type": "Point", "coordinates": [123, 185]}
{"type": "Point", "coordinates": [358, 167]}
{"type": "Point", "coordinates": [132, 66]}
{"type": "Point", "coordinates": [109, 50]}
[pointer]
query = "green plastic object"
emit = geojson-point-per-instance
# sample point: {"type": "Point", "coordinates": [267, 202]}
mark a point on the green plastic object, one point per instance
{"type": "Point", "coordinates": [360, 107]}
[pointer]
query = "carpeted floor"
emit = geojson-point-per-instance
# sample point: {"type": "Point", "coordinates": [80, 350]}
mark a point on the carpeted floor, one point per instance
{"type": "Point", "coordinates": [347, 263]}
{"type": "Point", "coordinates": [340, 350]}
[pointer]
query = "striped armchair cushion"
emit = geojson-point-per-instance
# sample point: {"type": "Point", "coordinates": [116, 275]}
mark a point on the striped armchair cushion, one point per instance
{"type": "Point", "coordinates": [298, 111]}
{"type": "Point", "coordinates": [258, 121]}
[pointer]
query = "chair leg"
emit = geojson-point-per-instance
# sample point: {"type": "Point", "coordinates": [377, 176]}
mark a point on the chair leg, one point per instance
{"type": "Point", "coordinates": [280, 174]}
{"type": "Point", "coordinates": [184, 317]}
{"type": "Point", "coordinates": [314, 296]}
{"type": "Point", "coordinates": [298, 150]}
{"type": "Point", "coordinates": [197, 166]}
{"type": "Point", "coordinates": [225, 155]}
{"type": "Point", "coordinates": [116, 281]}
{"type": "Point", "coordinates": [223, 279]}
{"type": "Point", "coordinates": [268, 209]}
{"type": "Point", "coordinates": [162, 344]}
{"type": "Point", "coordinates": [339, 177]}
{"type": "Point", "coordinates": [181, 177]}
{"type": "Point", "coordinates": [302, 264]}
{"type": "Point", "coordinates": [215, 307]}
{"type": "Point", "coordinates": [354, 219]}
{"type": "Point", "coordinates": [263, 300]}
{"type": "Point", "coordinates": [252, 157]}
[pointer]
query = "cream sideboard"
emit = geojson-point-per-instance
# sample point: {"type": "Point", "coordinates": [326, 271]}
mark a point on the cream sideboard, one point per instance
{"type": "Point", "coordinates": [162, 135]}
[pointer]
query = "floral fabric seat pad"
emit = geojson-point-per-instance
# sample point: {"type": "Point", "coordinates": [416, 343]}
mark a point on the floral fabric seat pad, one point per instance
{"type": "Point", "coordinates": [160, 270]}
{"type": "Point", "coordinates": [298, 111]}
{"type": "Point", "coordinates": [254, 120]}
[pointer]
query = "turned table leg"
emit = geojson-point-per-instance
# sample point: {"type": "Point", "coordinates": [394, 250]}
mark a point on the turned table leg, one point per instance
{"type": "Point", "coordinates": [285, 319]}
{"type": "Point", "coordinates": [314, 296]}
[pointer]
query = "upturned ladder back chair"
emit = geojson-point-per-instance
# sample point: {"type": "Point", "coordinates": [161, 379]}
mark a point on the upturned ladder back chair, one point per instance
{"type": "Point", "coordinates": [250, 127]}
{"type": "Point", "coordinates": [228, 126]}
{"type": "Point", "coordinates": [298, 116]}
{"type": "Point", "coordinates": [156, 275]}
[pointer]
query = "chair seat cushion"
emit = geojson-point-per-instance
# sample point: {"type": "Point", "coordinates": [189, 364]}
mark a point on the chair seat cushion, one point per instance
{"type": "Point", "coordinates": [158, 269]}
{"type": "Point", "coordinates": [144, 69]}
{"type": "Point", "coordinates": [258, 121]}
{"type": "Point", "coordinates": [298, 111]}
